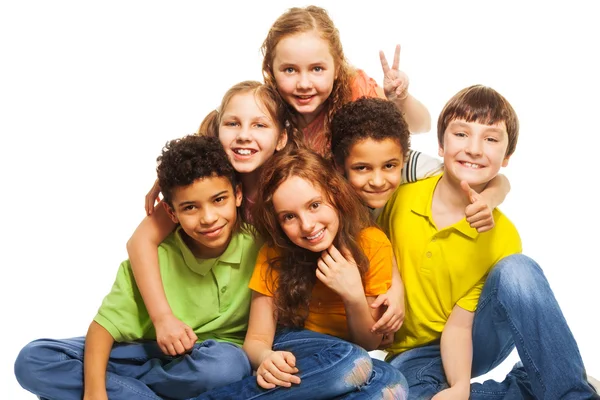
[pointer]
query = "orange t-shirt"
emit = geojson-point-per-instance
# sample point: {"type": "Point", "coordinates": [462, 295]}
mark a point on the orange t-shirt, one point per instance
{"type": "Point", "coordinates": [314, 133]}
{"type": "Point", "coordinates": [326, 313]}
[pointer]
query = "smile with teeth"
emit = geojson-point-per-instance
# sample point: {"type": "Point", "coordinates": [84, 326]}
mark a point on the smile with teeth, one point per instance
{"type": "Point", "coordinates": [316, 235]}
{"type": "Point", "coordinates": [471, 165]}
{"type": "Point", "coordinates": [244, 152]}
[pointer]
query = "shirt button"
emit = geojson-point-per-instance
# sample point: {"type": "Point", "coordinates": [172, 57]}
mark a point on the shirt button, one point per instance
{"type": "Point", "coordinates": [223, 289]}
{"type": "Point", "coordinates": [428, 254]}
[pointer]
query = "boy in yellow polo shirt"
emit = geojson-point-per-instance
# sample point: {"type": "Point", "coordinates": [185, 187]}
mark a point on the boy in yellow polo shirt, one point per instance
{"type": "Point", "coordinates": [471, 297]}
{"type": "Point", "coordinates": [205, 267]}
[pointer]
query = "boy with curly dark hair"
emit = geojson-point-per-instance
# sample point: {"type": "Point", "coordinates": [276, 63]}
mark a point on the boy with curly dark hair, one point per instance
{"type": "Point", "coordinates": [205, 267]}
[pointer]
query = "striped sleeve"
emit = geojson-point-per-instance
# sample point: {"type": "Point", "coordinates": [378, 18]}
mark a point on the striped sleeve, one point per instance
{"type": "Point", "coordinates": [420, 166]}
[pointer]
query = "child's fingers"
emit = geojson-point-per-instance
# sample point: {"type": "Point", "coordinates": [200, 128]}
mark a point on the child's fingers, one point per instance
{"type": "Point", "coordinates": [334, 253]}
{"type": "Point", "coordinates": [263, 383]}
{"type": "Point", "coordinates": [191, 335]}
{"type": "Point", "coordinates": [179, 347]}
{"type": "Point", "coordinates": [396, 64]}
{"type": "Point", "coordinates": [383, 321]}
{"type": "Point", "coordinates": [384, 64]}
{"type": "Point", "coordinates": [163, 348]}
{"type": "Point", "coordinates": [186, 343]}
{"type": "Point", "coordinates": [171, 349]}
{"type": "Point", "coordinates": [276, 377]}
{"type": "Point", "coordinates": [381, 299]}
{"type": "Point", "coordinates": [485, 228]}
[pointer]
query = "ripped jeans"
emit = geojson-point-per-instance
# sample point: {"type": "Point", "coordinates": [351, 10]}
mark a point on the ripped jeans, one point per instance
{"type": "Point", "coordinates": [330, 368]}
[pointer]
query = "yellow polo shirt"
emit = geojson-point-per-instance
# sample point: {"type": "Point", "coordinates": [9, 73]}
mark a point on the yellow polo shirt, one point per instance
{"type": "Point", "coordinates": [440, 268]}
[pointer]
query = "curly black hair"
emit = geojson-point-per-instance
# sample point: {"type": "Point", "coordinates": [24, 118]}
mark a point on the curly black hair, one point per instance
{"type": "Point", "coordinates": [192, 157]}
{"type": "Point", "coordinates": [367, 118]}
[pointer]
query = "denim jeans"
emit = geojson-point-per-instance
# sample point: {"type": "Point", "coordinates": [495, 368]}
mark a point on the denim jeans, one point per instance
{"type": "Point", "coordinates": [329, 368]}
{"type": "Point", "coordinates": [516, 308]}
{"type": "Point", "coordinates": [53, 369]}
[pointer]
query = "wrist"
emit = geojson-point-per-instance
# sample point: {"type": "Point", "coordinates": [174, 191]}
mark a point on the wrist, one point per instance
{"type": "Point", "coordinates": [463, 387]}
{"type": "Point", "coordinates": [161, 316]}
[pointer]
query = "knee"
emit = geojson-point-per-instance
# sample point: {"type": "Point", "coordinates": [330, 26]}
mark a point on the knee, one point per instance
{"type": "Point", "coordinates": [359, 365]}
{"type": "Point", "coordinates": [29, 363]}
{"type": "Point", "coordinates": [232, 365]}
{"type": "Point", "coordinates": [519, 277]}
{"type": "Point", "coordinates": [396, 387]}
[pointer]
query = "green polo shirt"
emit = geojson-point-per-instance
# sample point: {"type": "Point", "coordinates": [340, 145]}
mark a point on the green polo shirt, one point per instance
{"type": "Point", "coordinates": [209, 295]}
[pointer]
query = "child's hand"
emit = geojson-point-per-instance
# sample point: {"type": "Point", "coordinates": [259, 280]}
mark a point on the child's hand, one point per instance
{"type": "Point", "coordinates": [277, 369]}
{"type": "Point", "coordinates": [395, 82]}
{"type": "Point", "coordinates": [339, 273]}
{"type": "Point", "coordinates": [173, 336]}
{"type": "Point", "coordinates": [152, 197]}
{"type": "Point", "coordinates": [478, 213]}
{"type": "Point", "coordinates": [393, 317]}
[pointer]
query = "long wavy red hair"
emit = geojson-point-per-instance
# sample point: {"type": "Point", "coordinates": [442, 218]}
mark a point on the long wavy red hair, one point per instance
{"type": "Point", "coordinates": [296, 266]}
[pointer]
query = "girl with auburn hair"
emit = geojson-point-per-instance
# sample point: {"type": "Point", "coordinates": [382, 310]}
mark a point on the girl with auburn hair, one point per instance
{"type": "Point", "coordinates": [322, 264]}
{"type": "Point", "coordinates": [304, 59]}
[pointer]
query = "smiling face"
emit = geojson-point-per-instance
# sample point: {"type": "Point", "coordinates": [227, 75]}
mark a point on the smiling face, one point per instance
{"type": "Point", "coordinates": [304, 72]}
{"type": "Point", "coordinates": [207, 212]}
{"type": "Point", "coordinates": [474, 152]}
{"type": "Point", "coordinates": [374, 169]}
{"type": "Point", "coordinates": [305, 214]}
{"type": "Point", "coordinates": [248, 133]}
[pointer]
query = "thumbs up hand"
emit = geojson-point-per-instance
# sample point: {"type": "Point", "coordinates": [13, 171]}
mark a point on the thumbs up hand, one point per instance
{"type": "Point", "coordinates": [478, 213]}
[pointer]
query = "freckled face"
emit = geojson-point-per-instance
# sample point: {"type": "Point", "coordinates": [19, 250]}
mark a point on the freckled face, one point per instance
{"type": "Point", "coordinates": [374, 169]}
{"type": "Point", "coordinates": [474, 152]}
{"type": "Point", "coordinates": [305, 214]}
{"type": "Point", "coordinates": [304, 72]}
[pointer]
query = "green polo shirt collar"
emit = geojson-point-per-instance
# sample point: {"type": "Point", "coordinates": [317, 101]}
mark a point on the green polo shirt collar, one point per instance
{"type": "Point", "coordinates": [232, 255]}
{"type": "Point", "coordinates": [421, 205]}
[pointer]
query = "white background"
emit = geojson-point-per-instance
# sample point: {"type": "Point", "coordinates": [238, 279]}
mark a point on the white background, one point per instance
{"type": "Point", "coordinates": [90, 91]}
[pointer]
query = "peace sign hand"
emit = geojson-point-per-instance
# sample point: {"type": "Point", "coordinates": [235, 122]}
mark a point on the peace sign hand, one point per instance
{"type": "Point", "coordinates": [395, 82]}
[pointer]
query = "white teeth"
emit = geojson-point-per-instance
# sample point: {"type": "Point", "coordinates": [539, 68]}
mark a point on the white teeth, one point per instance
{"type": "Point", "coordinates": [316, 234]}
{"type": "Point", "coordinates": [470, 165]}
{"type": "Point", "coordinates": [243, 152]}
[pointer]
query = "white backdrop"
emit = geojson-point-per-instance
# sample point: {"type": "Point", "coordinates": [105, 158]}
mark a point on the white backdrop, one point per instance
{"type": "Point", "coordinates": [90, 91]}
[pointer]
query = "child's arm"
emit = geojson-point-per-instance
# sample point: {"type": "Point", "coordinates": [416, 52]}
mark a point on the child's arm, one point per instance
{"type": "Point", "coordinates": [395, 88]}
{"type": "Point", "coordinates": [173, 336]}
{"type": "Point", "coordinates": [273, 368]}
{"type": "Point", "coordinates": [419, 166]}
{"type": "Point", "coordinates": [393, 317]}
{"type": "Point", "coordinates": [340, 273]}
{"type": "Point", "coordinates": [98, 344]}
{"type": "Point", "coordinates": [479, 212]}
{"type": "Point", "coordinates": [457, 354]}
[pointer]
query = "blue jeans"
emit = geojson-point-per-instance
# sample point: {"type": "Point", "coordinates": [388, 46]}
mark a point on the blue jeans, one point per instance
{"type": "Point", "coordinates": [53, 369]}
{"type": "Point", "coordinates": [329, 368]}
{"type": "Point", "coordinates": [516, 307]}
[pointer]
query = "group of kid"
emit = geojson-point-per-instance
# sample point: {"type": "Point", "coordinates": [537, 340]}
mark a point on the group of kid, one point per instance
{"type": "Point", "coordinates": [298, 231]}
